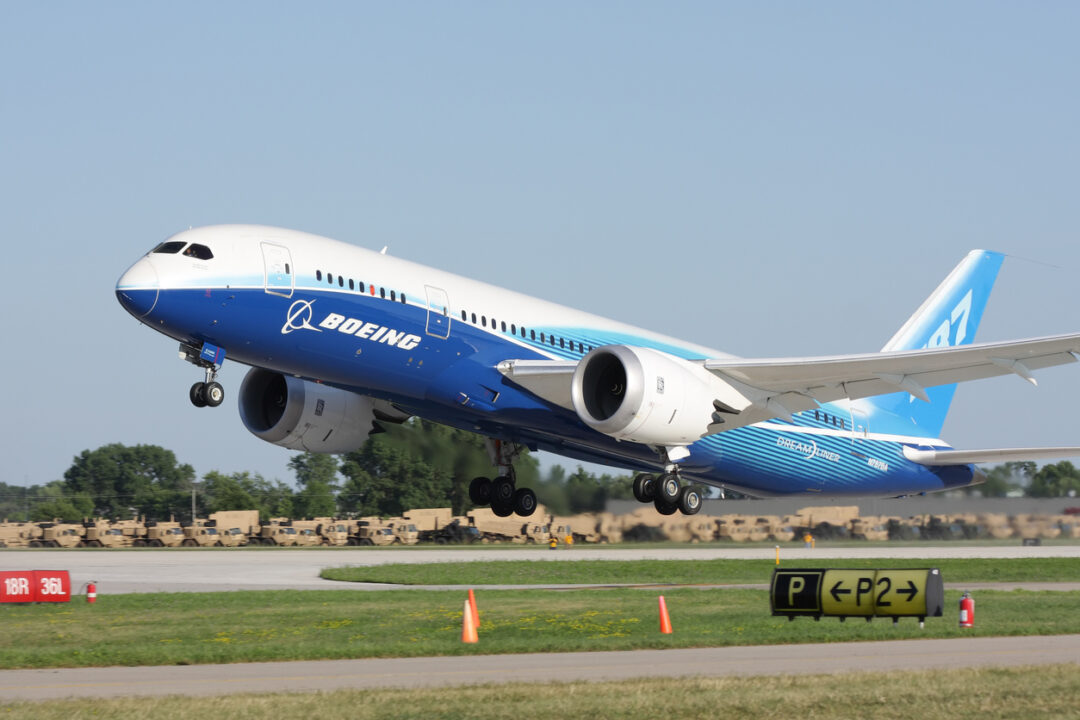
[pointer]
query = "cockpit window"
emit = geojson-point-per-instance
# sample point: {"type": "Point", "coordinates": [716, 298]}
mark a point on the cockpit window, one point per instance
{"type": "Point", "coordinates": [170, 247]}
{"type": "Point", "coordinates": [200, 252]}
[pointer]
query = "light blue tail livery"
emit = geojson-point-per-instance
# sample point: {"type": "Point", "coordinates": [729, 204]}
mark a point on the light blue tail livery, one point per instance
{"type": "Point", "coordinates": [950, 316]}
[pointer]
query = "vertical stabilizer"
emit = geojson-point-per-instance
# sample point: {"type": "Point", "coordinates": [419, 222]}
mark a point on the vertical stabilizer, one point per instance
{"type": "Point", "coordinates": [949, 317]}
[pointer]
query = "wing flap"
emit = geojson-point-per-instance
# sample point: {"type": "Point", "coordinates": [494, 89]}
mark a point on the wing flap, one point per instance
{"type": "Point", "coordinates": [547, 379]}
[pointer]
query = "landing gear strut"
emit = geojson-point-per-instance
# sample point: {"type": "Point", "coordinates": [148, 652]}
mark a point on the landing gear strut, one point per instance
{"type": "Point", "coordinates": [208, 393]}
{"type": "Point", "coordinates": [502, 493]}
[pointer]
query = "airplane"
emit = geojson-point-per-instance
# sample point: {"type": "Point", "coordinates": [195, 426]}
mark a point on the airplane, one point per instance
{"type": "Point", "coordinates": [341, 340]}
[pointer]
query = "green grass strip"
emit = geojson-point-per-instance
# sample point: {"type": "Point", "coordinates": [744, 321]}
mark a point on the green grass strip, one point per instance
{"type": "Point", "coordinates": [986, 694]}
{"type": "Point", "coordinates": [690, 572]}
{"type": "Point", "coordinates": [186, 628]}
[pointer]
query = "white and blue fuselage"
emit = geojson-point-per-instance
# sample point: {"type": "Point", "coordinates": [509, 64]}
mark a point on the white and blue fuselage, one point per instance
{"type": "Point", "coordinates": [431, 343]}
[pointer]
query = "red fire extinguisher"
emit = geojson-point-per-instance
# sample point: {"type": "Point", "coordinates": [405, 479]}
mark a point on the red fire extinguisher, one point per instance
{"type": "Point", "coordinates": [91, 592]}
{"type": "Point", "coordinates": [967, 611]}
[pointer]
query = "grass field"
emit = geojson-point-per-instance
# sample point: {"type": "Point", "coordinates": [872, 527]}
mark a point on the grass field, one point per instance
{"type": "Point", "coordinates": [987, 694]}
{"type": "Point", "coordinates": [187, 628]}
{"type": "Point", "coordinates": [688, 572]}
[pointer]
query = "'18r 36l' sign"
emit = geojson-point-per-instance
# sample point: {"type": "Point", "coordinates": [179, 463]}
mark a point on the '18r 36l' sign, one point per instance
{"type": "Point", "coordinates": [26, 586]}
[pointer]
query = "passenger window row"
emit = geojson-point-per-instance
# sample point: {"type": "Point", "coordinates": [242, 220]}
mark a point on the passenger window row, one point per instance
{"type": "Point", "coordinates": [513, 329]}
{"type": "Point", "coordinates": [822, 416]}
{"type": "Point", "coordinates": [545, 338]}
{"type": "Point", "coordinates": [355, 285]}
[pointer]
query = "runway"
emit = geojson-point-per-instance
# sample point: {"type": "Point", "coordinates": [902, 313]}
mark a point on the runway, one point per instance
{"type": "Point", "coordinates": [830, 658]}
{"type": "Point", "coordinates": [215, 570]}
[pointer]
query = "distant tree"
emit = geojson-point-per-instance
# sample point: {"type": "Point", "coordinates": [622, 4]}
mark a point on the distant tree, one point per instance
{"type": "Point", "coordinates": [52, 502]}
{"type": "Point", "coordinates": [1005, 478]}
{"type": "Point", "coordinates": [317, 478]}
{"type": "Point", "coordinates": [1058, 480]}
{"type": "Point", "coordinates": [581, 491]}
{"type": "Point", "coordinates": [227, 492]}
{"type": "Point", "coordinates": [119, 479]}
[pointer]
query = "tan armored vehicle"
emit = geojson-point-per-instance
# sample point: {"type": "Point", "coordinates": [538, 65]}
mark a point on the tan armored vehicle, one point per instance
{"type": "Point", "coordinates": [1035, 526]}
{"type": "Point", "coordinates": [594, 527]}
{"type": "Point", "coordinates": [996, 525]}
{"type": "Point", "coordinates": [430, 520]}
{"type": "Point", "coordinates": [871, 527]}
{"type": "Point", "coordinates": [238, 522]}
{"type": "Point", "coordinates": [54, 534]}
{"type": "Point", "coordinates": [1069, 524]}
{"type": "Point", "coordinates": [735, 528]}
{"type": "Point", "coordinates": [498, 529]}
{"type": "Point", "coordinates": [160, 533]}
{"type": "Point", "coordinates": [405, 532]}
{"type": "Point", "coordinates": [775, 528]}
{"type": "Point", "coordinates": [101, 533]}
{"type": "Point", "coordinates": [278, 531]}
{"type": "Point", "coordinates": [18, 535]}
{"type": "Point", "coordinates": [702, 528]}
{"type": "Point", "coordinates": [372, 531]}
{"type": "Point", "coordinates": [326, 531]}
{"type": "Point", "coordinates": [132, 529]}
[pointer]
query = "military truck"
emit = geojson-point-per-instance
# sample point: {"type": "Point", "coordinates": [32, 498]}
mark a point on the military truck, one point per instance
{"type": "Point", "coordinates": [405, 531]}
{"type": "Point", "coordinates": [133, 529]}
{"type": "Point", "coordinates": [238, 522]}
{"type": "Point", "coordinates": [871, 527]}
{"type": "Point", "coordinates": [57, 534]}
{"type": "Point", "coordinates": [499, 529]}
{"type": "Point", "coordinates": [590, 527]}
{"type": "Point", "coordinates": [19, 535]}
{"type": "Point", "coordinates": [372, 531]}
{"type": "Point", "coordinates": [277, 531]}
{"type": "Point", "coordinates": [161, 533]}
{"type": "Point", "coordinates": [327, 531]}
{"type": "Point", "coordinates": [776, 528]}
{"type": "Point", "coordinates": [101, 533]}
{"type": "Point", "coordinates": [736, 528]}
{"type": "Point", "coordinates": [429, 521]}
{"type": "Point", "coordinates": [457, 532]}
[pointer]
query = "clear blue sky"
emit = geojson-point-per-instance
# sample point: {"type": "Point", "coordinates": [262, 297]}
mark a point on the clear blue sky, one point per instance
{"type": "Point", "coordinates": [780, 178]}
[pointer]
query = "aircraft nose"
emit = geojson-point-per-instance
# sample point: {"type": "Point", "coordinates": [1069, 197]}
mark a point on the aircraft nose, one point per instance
{"type": "Point", "coordinates": [137, 289]}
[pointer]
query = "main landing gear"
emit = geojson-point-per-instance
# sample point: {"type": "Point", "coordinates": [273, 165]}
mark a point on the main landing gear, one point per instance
{"type": "Point", "coordinates": [208, 393]}
{"type": "Point", "coordinates": [502, 493]}
{"type": "Point", "coordinates": [667, 494]}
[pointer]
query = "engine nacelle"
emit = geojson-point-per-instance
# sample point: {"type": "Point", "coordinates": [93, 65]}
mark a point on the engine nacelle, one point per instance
{"type": "Point", "coordinates": [648, 396]}
{"type": "Point", "coordinates": [302, 415]}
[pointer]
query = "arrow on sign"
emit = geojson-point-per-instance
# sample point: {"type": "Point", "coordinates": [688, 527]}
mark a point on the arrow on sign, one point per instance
{"type": "Point", "coordinates": [911, 591]}
{"type": "Point", "coordinates": [837, 591]}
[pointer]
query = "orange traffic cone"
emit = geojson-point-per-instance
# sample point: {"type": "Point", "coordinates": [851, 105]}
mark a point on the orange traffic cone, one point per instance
{"type": "Point", "coordinates": [468, 628]}
{"type": "Point", "coordinates": [665, 621]}
{"type": "Point", "coordinates": [475, 610]}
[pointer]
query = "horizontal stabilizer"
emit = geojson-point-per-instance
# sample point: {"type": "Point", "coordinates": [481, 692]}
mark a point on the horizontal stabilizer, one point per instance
{"type": "Point", "coordinates": [997, 455]}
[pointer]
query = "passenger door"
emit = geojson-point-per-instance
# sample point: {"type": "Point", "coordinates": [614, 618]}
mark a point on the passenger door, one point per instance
{"type": "Point", "coordinates": [438, 312]}
{"type": "Point", "coordinates": [278, 279]}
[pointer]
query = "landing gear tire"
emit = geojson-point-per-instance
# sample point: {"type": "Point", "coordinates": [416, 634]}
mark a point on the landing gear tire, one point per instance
{"type": "Point", "coordinates": [665, 508]}
{"type": "Point", "coordinates": [667, 488]}
{"type": "Point", "coordinates": [502, 509]}
{"type": "Point", "coordinates": [644, 488]}
{"type": "Point", "coordinates": [198, 399]}
{"type": "Point", "coordinates": [480, 491]}
{"type": "Point", "coordinates": [524, 502]}
{"type": "Point", "coordinates": [502, 491]}
{"type": "Point", "coordinates": [213, 394]}
{"type": "Point", "coordinates": [689, 501]}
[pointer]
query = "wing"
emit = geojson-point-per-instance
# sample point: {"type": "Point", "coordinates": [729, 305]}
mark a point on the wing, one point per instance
{"type": "Point", "coordinates": [996, 455]}
{"type": "Point", "coordinates": [778, 387]}
{"type": "Point", "coordinates": [825, 379]}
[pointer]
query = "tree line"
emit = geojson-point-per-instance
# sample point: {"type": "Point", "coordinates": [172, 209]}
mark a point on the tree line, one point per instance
{"type": "Point", "coordinates": [413, 465]}
{"type": "Point", "coordinates": [417, 464]}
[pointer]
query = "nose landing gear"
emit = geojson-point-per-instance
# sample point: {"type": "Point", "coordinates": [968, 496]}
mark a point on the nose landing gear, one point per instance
{"type": "Point", "coordinates": [208, 393]}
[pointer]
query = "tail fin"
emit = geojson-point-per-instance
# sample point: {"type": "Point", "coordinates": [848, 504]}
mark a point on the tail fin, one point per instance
{"type": "Point", "coordinates": [950, 316]}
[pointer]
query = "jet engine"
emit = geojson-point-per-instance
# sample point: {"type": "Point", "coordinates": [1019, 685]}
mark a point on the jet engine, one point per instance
{"type": "Point", "coordinates": [302, 415]}
{"type": "Point", "coordinates": [647, 396]}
